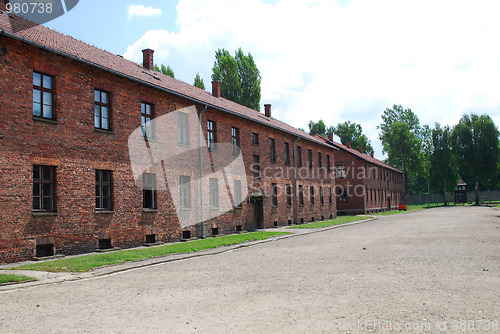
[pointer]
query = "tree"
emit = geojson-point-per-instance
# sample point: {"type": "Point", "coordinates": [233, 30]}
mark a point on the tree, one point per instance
{"type": "Point", "coordinates": [198, 81]}
{"type": "Point", "coordinates": [476, 147]}
{"type": "Point", "coordinates": [318, 128]}
{"type": "Point", "coordinates": [167, 71]}
{"type": "Point", "coordinates": [401, 139]}
{"type": "Point", "coordinates": [239, 77]}
{"type": "Point", "coordinates": [353, 133]}
{"type": "Point", "coordinates": [156, 68]}
{"type": "Point", "coordinates": [442, 173]}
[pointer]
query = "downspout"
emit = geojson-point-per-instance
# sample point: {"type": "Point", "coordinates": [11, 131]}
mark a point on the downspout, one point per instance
{"type": "Point", "coordinates": [295, 191]}
{"type": "Point", "coordinates": [200, 142]}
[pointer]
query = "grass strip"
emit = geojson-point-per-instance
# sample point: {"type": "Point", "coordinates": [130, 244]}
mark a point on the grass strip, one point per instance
{"type": "Point", "coordinates": [7, 278]}
{"type": "Point", "coordinates": [338, 221]}
{"type": "Point", "coordinates": [88, 262]}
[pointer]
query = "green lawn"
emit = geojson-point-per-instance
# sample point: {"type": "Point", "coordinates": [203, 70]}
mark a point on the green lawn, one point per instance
{"type": "Point", "coordinates": [4, 278]}
{"type": "Point", "coordinates": [88, 262]}
{"type": "Point", "coordinates": [338, 221]}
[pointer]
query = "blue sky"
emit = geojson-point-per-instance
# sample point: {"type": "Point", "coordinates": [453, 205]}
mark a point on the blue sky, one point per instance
{"type": "Point", "coordinates": [320, 59]}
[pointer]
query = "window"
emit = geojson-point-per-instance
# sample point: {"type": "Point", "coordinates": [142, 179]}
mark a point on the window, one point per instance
{"type": "Point", "coordinates": [256, 167]}
{"type": "Point", "coordinates": [214, 192]}
{"type": "Point", "coordinates": [147, 114]}
{"type": "Point", "coordinates": [237, 194]}
{"type": "Point", "coordinates": [149, 191]}
{"type": "Point", "coordinates": [212, 135]}
{"type": "Point", "coordinates": [183, 128]}
{"type": "Point", "coordinates": [101, 110]}
{"type": "Point", "coordinates": [287, 154]}
{"type": "Point", "coordinates": [299, 156]}
{"type": "Point", "coordinates": [103, 189]}
{"type": "Point", "coordinates": [43, 95]}
{"type": "Point", "coordinates": [274, 194]}
{"type": "Point", "coordinates": [311, 192]}
{"type": "Point", "coordinates": [301, 195]}
{"type": "Point", "coordinates": [341, 171]}
{"type": "Point", "coordinates": [235, 139]}
{"type": "Point", "coordinates": [43, 188]}
{"type": "Point", "coordinates": [328, 165]}
{"type": "Point", "coordinates": [321, 198]}
{"type": "Point", "coordinates": [289, 194]}
{"type": "Point", "coordinates": [310, 159]}
{"type": "Point", "coordinates": [330, 199]}
{"type": "Point", "coordinates": [185, 191]}
{"type": "Point", "coordinates": [320, 160]}
{"type": "Point", "coordinates": [255, 139]}
{"type": "Point", "coordinates": [272, 150]}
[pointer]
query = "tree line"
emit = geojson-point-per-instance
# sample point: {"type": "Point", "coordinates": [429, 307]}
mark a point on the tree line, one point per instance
{"type": "Point", "coordinates": [431, 159]}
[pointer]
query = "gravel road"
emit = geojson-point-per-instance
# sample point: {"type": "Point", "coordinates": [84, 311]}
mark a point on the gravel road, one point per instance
{"type": "Point", "coordinates": [426, 271]}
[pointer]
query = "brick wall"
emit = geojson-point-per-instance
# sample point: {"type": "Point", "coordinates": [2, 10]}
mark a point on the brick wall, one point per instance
{"type": "Point", "coordinates": [76, 150]}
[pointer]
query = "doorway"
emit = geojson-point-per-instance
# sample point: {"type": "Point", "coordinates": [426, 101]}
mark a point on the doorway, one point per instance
{"type": "Point", "coordinates": [258, 213]}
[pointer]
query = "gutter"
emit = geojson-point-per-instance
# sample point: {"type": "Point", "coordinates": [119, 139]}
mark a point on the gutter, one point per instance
{"type": "Point", "coordinates": [27, 41]}
{"type": "Point", "coordinates": [200, 141]}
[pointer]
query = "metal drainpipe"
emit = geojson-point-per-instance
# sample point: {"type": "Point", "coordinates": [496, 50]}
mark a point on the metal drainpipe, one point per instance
{"type": "Point", "coordinates": [295, 181]}
{"type": "Point", "coordinates": [200, 136]}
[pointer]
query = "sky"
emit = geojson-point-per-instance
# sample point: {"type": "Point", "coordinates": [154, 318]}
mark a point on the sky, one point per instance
{"type": "Point", "coordinates": [334, 60]}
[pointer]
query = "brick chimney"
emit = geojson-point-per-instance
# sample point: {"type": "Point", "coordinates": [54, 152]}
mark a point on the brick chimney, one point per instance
{"type": "Point", "coordinates": [267, 110]}
{"type": "Point", "coordinates": [360, 149]}
{"type": "Point", "coordinates": [147, 59]}
{"type": "Point", "coordinates": [216, 88]}
{"type": "Point", "coordinates": [348, 144]}
{"type": "Point", "coordinates": [371, 154]}
{"type": "Point", "coordinates": [330, 136]}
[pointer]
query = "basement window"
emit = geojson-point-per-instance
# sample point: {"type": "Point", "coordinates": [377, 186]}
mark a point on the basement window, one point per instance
{"type": "Point", "coordinates": [44, 250]}
{"type": "Point", "coordinates": [215, 230]}
{"type": "Point", "coordinates": [289, 222]}
{"type": "Point", "coordinates": [150, 238]}
{"type": "Point", "coordinates": [238, 228]}
{"type": "Point", "coordinates": [186, 234]}
{"type": "Point", "coordinates": [105, 243]}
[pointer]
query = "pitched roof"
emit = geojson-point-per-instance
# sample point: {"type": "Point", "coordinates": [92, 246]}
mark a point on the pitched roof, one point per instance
{"type": "Point", "coordinates": [51, 40]}
{"type": "Point", "coordinates": [363, 156]}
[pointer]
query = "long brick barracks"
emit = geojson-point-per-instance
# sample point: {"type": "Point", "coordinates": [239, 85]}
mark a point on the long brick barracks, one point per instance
{"type": "Point", "coordinates": [68, 183]}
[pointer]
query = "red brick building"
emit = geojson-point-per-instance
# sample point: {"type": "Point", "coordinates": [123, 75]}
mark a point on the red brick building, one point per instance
{"type": "Point", "coordinates": [368, 184]}
{"type": "Point", "coordinates": [364, 184]}
{"type": "Point", "coordinates": [67, 185]}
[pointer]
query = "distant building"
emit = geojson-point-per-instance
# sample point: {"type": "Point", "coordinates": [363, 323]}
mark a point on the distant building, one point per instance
{"type": "Point", "coordinates": [364, 184]}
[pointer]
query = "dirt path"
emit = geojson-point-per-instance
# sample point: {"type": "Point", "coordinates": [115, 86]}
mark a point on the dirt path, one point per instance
{"type": "Point", "coordinates": [427, 270]}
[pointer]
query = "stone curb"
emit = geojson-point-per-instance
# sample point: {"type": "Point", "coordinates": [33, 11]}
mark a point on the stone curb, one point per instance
{"type": "Point", "coordinates": [45, 278]}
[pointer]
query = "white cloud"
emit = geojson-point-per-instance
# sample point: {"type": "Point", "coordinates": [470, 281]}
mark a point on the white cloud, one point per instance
{"type": "Point", "coordinates": [320, 60]}
{"type": "Point", "coordinates": [141, 11]}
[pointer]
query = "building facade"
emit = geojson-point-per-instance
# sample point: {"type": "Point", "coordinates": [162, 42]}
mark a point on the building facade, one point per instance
{"type": "Point", "coordinates": [99, 152]}
{"type": "Point", "coordinates": [365, 184]}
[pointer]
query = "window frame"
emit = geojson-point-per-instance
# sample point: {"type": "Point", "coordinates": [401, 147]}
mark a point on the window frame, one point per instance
{"type": "Point", "coordinates": [235, 140]}
{"type": "Point", "coordinates": [99, 190]}
{"type": "Point", "coordinates": [286, 153]}
{"type": "Point", "coordinates": [238, 201]}
{"type": "Point", "coordinates": [289, 195]}
{"type": "Point", "coordinates": [256, 167]}
{"type": "Point", "coordinates": [321, 196]}
{"type": "Point", "coordinates": [255, 139]}
{"type": "Point", "coordinates": [272, 150]}
{"type": "Point", "coordinates": [299, 156]}
{"type": "Point", "coordinates": [341, 171]}
{"type": "Point", "coordinates": [145, 116]}
{"type": "Point", "coordinates": [310, 154]}
{"type": "Point", "coordinates": [149, 190]}
{"type": "Point", "coordinates": [301, 195]}
{"type": "Point", "coordinates": [184, 191]}
{"type": "Point", "coordinates": [274, 194]}
{"type": "Point", "coordinates": [183, 128]}
{"type": "Point", "coordinates": [43, 90]}
{"type": "Point", "coordinates": [40, 182]}
{"type": "Point", "coordinates": [101, 104]}
{"type": "Point", "coordinates": [211, 135]}
{"type": "Point", "coordinates": [213, 186]}
{"type": "Point", "coordinates": [320, 160]}
{"type": "Point", "coordinates": [311, 195]}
